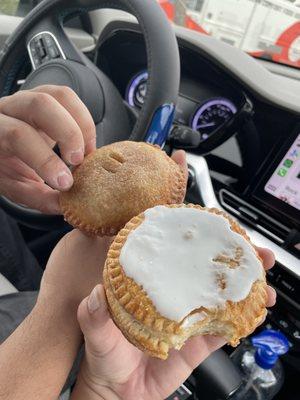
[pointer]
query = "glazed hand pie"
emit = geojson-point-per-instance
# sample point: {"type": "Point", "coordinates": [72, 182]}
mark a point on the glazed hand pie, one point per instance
{"type": "Point", "coordinates": [119, 181]}
{"type": "Point", "coordinates": [178, 271]}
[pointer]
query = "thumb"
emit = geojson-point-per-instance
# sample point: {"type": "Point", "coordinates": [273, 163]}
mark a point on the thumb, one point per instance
{"type": "Point", "coordinates": [95, 322]}
{"type": "Point", "coordinates": [180, 158]}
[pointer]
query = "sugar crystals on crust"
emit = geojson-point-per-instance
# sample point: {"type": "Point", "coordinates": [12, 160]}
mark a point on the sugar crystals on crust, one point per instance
{"type": "Point", "coordinates": [117, 182]}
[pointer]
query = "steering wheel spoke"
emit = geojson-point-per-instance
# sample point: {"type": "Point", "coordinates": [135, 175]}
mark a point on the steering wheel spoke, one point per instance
{"type": "Point", "coordinates": [48, 41]}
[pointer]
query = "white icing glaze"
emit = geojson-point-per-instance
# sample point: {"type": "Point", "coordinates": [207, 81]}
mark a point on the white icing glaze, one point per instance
{"type": "Point", "coordinates": [170, 254]}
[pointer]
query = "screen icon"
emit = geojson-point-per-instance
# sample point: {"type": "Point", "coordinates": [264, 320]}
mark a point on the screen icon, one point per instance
{"type": "Point", "coordinates": [294, 153]}
{"type": "Point", "coordinates": [282, 172]}
{"type": "Point", "coordinates": [288, 163]}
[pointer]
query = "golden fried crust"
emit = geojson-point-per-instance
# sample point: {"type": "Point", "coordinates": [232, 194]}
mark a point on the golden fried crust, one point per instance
{"type": "Point", "coordinates": [136, 316]}
{"type": "Point", "coordinates": [119, 181]}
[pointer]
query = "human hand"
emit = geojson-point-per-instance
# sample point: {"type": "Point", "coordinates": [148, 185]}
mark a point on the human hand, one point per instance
{"type": "Point", "coordinates": [31, 123]}
{"type": "Point", "coordinates": [115, 369]}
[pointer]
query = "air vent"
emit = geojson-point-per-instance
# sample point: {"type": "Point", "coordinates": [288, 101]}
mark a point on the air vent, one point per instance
{"type": "Point", "coordinates": [262, 222]}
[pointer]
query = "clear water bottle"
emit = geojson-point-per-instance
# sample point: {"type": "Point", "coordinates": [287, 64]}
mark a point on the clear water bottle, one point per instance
{"type": "Point", "coordinates": [259, 362]}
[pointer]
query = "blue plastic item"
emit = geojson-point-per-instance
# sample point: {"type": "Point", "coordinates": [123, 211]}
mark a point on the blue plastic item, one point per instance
{"type": "Point", "coordinates": [258, 361]}
{"type": "Point", "coordinates": [161, 124]}
{"type": "Point", "coordinates": [270, 345]}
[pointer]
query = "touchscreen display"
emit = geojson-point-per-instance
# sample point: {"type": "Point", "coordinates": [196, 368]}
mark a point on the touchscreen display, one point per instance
{"type": "Point", "coordinates": [285, 181]}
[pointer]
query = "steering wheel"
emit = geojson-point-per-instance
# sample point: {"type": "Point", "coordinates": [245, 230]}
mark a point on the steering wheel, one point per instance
{"type": "Point", "coordinates": [55, 60]}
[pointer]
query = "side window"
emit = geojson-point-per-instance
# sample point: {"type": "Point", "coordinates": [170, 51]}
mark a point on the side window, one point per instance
{"type": "Point", "coordinates": [18, 8]}
{"type": "Point", "coordinates": [21, 8]}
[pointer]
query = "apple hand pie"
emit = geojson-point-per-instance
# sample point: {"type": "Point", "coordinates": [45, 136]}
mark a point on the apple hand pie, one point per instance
{"type": "Point", "coordinates": [119, 181]}
{"type": "Point", "coordinates": [182, 270]}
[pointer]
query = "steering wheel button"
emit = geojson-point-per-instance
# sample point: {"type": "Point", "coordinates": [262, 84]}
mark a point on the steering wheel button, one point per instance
{"type": "Point", "coordinates": [41, 52]}
{"type": "Point", "coordinates": [33, 50]}
{"type": "Point", "coordinates": [37, 39]}
{"type": "Point", "coordinates": [48, 40]}
{"type": "Point", "coordinates": [53, 52]}
{"type": "Point", "coordinates": [36, 61]}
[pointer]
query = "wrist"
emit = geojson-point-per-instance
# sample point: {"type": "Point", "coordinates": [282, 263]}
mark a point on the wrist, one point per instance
{"type": "Point", "coordinates": [86, 389]}
{"type": "Point", "coordinates": [59, 320]}
{"type": "Point", "coordinates": [63, 300]}
{"type": "Point", "coordinates": [91, 386]}
{"type": "Point", "coordinates": [56, 302]}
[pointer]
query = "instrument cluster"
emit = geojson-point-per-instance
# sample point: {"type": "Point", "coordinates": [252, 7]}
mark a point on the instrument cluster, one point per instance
{"type": "Point", "coordinates": [204, 117]}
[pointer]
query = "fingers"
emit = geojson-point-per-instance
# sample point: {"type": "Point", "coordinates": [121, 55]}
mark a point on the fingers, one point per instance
{"type": "Point", "coordinates": [180, 158]}
{"type": "Point", "coordinates": [14, 168]}
{"type": "Point", "coordinates": [42, 111]}
{"type": "Point", "coordinates": [72, 103]}
{"type": "Point", "coordinates": [267, 257]}
{"type": "Point", "coordinates": [33, 194]}
{"type": "Point", "coordinates": [19, 139]}
{"type": "Point", "coordinates": [271, 293]}
{"type": "Point", "coordinates": [95, 322]}
{"type": "Point", "coordinates": [271, 300]}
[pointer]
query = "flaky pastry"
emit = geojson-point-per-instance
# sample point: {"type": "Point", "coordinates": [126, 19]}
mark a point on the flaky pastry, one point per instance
{"type": "Point", "coordinates": [117, 182]}
{"type": "Point", "coordinates": [182, 270]}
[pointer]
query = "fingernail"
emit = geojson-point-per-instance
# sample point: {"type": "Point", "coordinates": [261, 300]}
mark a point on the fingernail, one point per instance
{"type": "Point", "coordinates": [76, 157]}
{"type": "Point", "coordinates": [64, 180]}
{"type": "Point", "coordinates": [93, 301]}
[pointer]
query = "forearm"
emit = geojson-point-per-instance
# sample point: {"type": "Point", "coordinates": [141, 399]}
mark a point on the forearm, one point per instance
{"type": "Point", "coordinates": [37, 357]}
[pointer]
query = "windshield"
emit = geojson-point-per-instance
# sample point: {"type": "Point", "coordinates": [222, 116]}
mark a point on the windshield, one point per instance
{"type": "Point", "coordinates": [267, 29]}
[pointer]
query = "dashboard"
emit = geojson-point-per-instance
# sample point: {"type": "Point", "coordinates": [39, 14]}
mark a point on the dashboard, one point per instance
{"type": "Point", "coordinates": [259, 163]}
{"type": "Point", "coordinates": [204, 104]}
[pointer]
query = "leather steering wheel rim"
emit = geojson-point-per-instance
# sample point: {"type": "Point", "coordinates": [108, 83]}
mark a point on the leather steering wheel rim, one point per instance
{"type": "Point", "coordinates": [163, 66]}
